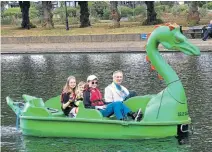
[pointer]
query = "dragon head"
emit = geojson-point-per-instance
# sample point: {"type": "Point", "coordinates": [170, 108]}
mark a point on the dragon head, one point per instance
{"type": "Point", "coordinates": [171, 38]}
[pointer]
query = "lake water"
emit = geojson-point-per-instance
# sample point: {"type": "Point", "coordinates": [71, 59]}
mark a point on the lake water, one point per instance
{"type": "Point", "coordinates": [43, 75]}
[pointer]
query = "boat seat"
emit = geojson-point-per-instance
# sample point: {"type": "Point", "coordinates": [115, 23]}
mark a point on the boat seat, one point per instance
{"type": "Point", "coordinates": [37, 102]}
{"type": "Point", "coordinates": [33, 111]}
{"type": "Point", "coordinates": [27, 98]}
{"type": "Point", "coordinates": [88, 113]}
{"type": "Point", "coordinates": [137, 102]}
{"type": "Point", "coordinates": [54, 103]}
{"type": "Point", "coordinates": [35, 107]}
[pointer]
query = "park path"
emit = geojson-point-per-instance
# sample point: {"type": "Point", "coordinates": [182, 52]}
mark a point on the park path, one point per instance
{"type": "Point", "coordinates": [122, 46]}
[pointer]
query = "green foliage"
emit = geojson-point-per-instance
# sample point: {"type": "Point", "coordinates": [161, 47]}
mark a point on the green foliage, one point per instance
{"type": "Point", "coordinates": [167, 3]}
{"type": "Point", "coordinates": [90, 4]}
{"type": "Point", "coordinates": [208, 5]}
{"type": "Point", "coordinates": [179, 9]}
{"type": "Point", "coordinates": [32, 25]}
{"type": "Point", "coordinates": [61, 13]}
{"type": "Point", "coordinates": [74, 20]}
{"type": "Point", "coordinates": [201, 3]}
{"type": "Point", "coordinates": [158, 11]}
{"type": "Point", "coordinates": [38, 8]}
{"type": "Point", "coordinates": [140, 10]}
{"type": "Point", "coordinates": [11, 20]}
{"type": "Point", "coordinates": [14, 15]}
{"type": "Point", "coordinates": [97, 8]}
{"type": "Point", "coordinates": [137, 18]}
{"type": "Point", "coordinates": [157, 3]}
{"type": "Point", "coordinates": [203, 12]}
{"type": "Point", "coordinates": [72, 11]}
{"type": "Point", "coordinates": [94, 20]}
{"type": "Point", "coordinates": [125, 11]}
{"type": "Point", "coordinates": [106, 14]}
{"type": "Point", "coordinates": [15, 11]}
{"type": "Point", "coordinates": [33, 13]}
{"type": "Point", "coordinates": [162, 8]}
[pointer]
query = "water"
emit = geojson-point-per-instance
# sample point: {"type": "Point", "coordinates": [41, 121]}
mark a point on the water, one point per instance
{"type": "Point", "coordinates": [44, 76]}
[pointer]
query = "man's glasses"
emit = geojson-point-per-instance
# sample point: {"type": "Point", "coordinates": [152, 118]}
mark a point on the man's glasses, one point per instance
{"type": "Point", "coordinates": [94, 82]}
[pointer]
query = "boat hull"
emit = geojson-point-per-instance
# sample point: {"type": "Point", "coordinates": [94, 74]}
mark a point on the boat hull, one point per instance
{"type": "Point", "coordinates": [101, 129]}
{"type": "Point", "coordinates": [36, 119]}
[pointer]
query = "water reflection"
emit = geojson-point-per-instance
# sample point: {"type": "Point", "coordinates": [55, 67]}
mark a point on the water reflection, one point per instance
{"type": "Point", "coordinates": [44, 76]}
{"type": "Point", "coordinates": [36, 144]}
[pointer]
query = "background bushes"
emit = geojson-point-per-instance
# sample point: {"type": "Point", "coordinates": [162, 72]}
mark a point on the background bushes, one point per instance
{"type": "Point", "coordinates": [100, 10]}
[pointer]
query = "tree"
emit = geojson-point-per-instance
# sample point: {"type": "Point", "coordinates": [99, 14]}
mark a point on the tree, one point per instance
{"type": "Point", "coordinates": [25, 5]}
{"type": "Point", "coordinates": [151, 14]}
{"type": "Point", "coordinates": [3, 4]}
{"type": "Point", "coordinates": [84, 14]}
{"type": "Point", "coordinates": [193, 13]}
{"type": "Point", "coordinates": [115, 14]}
{"type": "Point", "coordinates": [169, 3]}
{"type": "Point", "coordinates": [47, 14]}
{"type": "Point", "coordinates": [98, 7]}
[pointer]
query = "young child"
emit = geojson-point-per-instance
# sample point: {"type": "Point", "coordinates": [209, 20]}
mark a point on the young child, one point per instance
{"type": "Point", "coordinates": [79, 91]}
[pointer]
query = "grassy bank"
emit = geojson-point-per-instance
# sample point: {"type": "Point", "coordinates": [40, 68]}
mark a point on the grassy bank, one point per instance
{"type": "Point", "coordinates": [60, 30]}
{"type": "Point", "coordinates": [95, 29]}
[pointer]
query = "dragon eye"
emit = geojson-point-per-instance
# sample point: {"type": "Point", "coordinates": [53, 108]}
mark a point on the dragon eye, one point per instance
{"type": "Point", "coordinates": [178, 39]}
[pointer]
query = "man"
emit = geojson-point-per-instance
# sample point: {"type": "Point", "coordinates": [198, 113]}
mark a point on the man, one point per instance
{"type": "Point", "coordinates": [92, 98]}
{"type": "Point", "coordinates": [116, 92]}
{"type": "Point", "coordinates": [208, 31]}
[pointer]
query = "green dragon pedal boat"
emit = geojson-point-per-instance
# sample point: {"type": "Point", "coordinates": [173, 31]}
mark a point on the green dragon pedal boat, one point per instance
{"type": "Point", "coordinates": [165, 114]}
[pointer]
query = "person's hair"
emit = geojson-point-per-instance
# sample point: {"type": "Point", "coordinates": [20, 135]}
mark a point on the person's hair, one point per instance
{"type": "Point", "coordinates": [81, 83]}
{"type": "Point", "coordinates": [86, 86]}
{"type": "Point", "coordinates": [67, 88]}
{"type": "Point", "coordinates": [115, 72]}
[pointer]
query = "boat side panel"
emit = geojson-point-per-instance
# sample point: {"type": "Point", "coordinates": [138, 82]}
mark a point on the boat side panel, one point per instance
{"type": "Point", "coordinates": [82, 129]}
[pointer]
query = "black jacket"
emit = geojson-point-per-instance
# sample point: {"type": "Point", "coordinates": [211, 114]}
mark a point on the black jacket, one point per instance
{"type": "Point", "coordinates": [87, 101]}
{"type": "Point", "coordinates": [65, 98]}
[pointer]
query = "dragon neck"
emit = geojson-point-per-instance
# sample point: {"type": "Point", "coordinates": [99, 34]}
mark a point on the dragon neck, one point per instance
{"type": "Point", "coordinates": [163, 68]}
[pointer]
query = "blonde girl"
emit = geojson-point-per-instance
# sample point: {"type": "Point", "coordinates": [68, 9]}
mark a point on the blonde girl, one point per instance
{"type": "Point", "coordinates": [68, 97]}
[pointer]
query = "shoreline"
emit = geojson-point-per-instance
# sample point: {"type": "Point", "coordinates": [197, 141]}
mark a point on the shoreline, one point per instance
{"type": "Point", "coordinates": [108, 43]}
{"type": "Point", "coordinates": [92, 47]}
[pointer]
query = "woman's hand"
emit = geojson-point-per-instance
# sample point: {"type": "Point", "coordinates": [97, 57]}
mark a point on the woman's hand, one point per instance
{"type": "Point", "coordinates": [70, 101]}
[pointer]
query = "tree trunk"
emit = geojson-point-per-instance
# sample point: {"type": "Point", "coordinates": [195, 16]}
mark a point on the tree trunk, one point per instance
{"type": "Point", "coordinates": [193, 14]}
{"type": "Point", "coordinates": [25, 5]}
{"type": "Point", "coordinates": [3, 4]}
{"type": "Point", "coordinates": [151, 14]}
{"type": "Point", "coordinates": [115, 14]}
{"type": "Point", "coordinates": [84, 14]}
{"type": "Point", "coordinates": [47, 14]}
